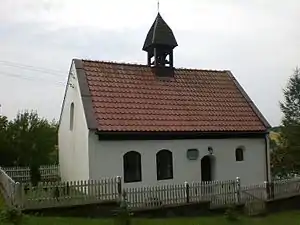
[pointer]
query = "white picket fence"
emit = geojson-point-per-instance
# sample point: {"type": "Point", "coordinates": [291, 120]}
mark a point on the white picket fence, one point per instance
{"type": "Point", "coordinates": [57, 194]}
{"type": "Point", "coordinates": [286, 188]}
{"type": "Point", "coordinates": [22, 174]}
{"type": "Point", "coordinates": [278, 189]}
{"type": "Point", "coordinates": [218, 193]}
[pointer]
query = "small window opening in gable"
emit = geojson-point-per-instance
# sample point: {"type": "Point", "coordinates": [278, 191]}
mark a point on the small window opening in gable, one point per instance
{"type": "Point", "coordinates": [164, 165]}
{"type": "Point", "coordinates": [132, 167]}
{"type": "Point", "coordinates": [72, 116]}
{"type": "Point", "coordinates": [239, 154]}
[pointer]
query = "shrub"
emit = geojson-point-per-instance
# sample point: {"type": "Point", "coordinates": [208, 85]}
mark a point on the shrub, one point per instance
{"type": "Point", "coordinates": [231, 213]}
{"type": "Point", "coordinates": [123, 217]}
{"type": "Point", "coordinates": [12, 216]}
{"type": "Point", "coordinates": [123, 213]}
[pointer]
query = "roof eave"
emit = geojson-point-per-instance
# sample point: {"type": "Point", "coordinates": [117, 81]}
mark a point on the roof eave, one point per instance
{"type": "Point", "coordinates": [65, 94]}
{"type": "Point", "coordinates": [86, 96]}
{"type": "Point", "coordinates": [171, 135]}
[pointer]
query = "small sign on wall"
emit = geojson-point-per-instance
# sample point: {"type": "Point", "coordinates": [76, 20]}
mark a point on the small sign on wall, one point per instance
{"type": "Point", "coordinates": [192, 154]}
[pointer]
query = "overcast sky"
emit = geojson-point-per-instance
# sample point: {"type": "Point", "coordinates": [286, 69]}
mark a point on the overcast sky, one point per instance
{"type": "Point", "coordinates": [258, 40]}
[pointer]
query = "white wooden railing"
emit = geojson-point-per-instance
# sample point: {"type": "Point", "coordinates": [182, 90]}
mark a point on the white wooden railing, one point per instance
{"type": "Point", "coordinates": [57, 194]}
{"type": "Point", "coordinates": [286, 188]}
{"type": "Point", "coordinates": [8, 188]}
{"type": "Point", "coordinates": [218, 193]}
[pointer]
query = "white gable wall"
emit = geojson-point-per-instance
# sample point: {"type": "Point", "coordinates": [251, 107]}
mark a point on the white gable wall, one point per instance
{"type": "Point", "coordinates": [106, 159]}
{"type": "Point", "coordinates": [73, 145]}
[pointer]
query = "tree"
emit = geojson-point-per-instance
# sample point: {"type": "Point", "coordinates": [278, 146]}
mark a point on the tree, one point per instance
{"type": "Point", "coordinates": [7, 154]}
{"type": "Point", "coordinates": [280, 166]}
{"type": "Point", "coordinates": [33, 138]}
{"type": "Point", "coordinates": [28, 140]}
{"type": "Point", "coordinates": [286, 158]}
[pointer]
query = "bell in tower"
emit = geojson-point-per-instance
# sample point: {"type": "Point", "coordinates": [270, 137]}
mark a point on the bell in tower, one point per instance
{"type": "Point", "coordinates": [159, 45]}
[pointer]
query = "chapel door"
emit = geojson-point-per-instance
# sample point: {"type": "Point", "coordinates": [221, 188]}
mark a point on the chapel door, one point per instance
{"type": "Point", "coordinates": [206, 170]}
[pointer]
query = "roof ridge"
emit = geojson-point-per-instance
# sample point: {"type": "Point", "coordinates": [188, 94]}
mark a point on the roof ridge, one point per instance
{"type": "Point", "coordinates": [195, 69]}
{"type": "Point", "coordinates": [115, 62]}
{"type": "Point", "coordinates": [144, 65]}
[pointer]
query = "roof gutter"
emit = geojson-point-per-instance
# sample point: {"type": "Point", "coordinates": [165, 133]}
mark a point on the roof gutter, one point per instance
{"type": "Point", "coordinates": [143, 135]}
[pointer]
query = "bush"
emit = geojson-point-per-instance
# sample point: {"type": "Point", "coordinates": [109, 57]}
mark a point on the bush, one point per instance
{"type": "Point", "coordinates": [12, 216]}
{"type": "Point", "coordinates": [123, 213]}
{"type": "Point", "coordinates": [231, 213]}
{"type": "Point", "coordinates": [123, 217]}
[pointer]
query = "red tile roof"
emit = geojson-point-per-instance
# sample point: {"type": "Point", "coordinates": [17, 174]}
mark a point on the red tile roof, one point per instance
{"type": "Point", "coordinates": [129, 97]}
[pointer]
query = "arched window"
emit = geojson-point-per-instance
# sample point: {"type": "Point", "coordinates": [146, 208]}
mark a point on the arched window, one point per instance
{"type": "Point", "coordinates": [132, 167]}
{"type": "Point", "coordinates": [239, 154]}
{"type": "Point", "coordinates": [164, 165]}
{"type": "Point", "coordinates": [72, 116]}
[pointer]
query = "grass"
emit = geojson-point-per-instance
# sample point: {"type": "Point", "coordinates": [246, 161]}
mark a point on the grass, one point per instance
{"type": "Point", "coordinates": [278, 219]}
{"type": "Point", "coordinates": [292, 217]}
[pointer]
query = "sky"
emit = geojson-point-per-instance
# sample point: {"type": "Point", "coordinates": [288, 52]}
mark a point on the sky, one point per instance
{"type": "Point", "coordinates": [258, 40]}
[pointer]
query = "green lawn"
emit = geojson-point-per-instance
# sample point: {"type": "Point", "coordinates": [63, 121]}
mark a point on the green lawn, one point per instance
{"type": "Point", "coordinates": [289, 218]}
{"type": "Point", "coordinates": [278, 219]}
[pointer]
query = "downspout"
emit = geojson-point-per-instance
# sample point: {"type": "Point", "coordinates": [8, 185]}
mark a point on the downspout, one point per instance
{"type": "Point", "coordinates": [267, 157]}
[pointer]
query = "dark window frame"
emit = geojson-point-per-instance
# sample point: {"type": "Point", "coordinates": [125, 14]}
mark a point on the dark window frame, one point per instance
{"type": "Point", "coordinates": [164, 165]}
{"type": "Point", "coordinates": [72, 112]}
{"type": "Point", "coordinates": [239, 154]}
{"type": "Point", "coordinates": [132, 167]}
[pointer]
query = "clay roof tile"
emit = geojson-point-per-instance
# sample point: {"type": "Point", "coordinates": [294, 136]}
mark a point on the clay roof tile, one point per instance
{"type": "Point", "coordinates": [129, 97]}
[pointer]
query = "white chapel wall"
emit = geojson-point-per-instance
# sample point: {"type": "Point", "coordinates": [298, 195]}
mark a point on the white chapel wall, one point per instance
{"type": "Point", "coordinates": [73, 144]}
{"type": "Point", "coordinates": [107, 159]}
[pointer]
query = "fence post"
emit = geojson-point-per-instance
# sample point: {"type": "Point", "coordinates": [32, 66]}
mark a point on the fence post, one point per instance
{"type": "Point", "coordinates": [119, 184]}
{"type": "Point", "coordinates": [187, 191]}
{"type": "Point", "coordinates": [270, 189]}
{"type": "Point", "coordinates": [123, 203]}
{"type": "Point", "coordinates": [238, 189]}
{"type": "Point", "coordinates": [267, 187]}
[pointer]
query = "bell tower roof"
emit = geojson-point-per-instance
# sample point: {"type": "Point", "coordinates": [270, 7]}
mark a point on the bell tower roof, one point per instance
{"type": "Point", "coordinates": [160, 34]}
